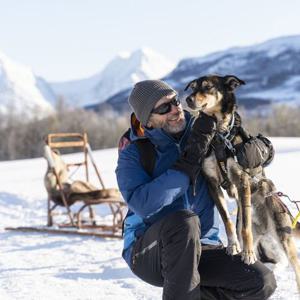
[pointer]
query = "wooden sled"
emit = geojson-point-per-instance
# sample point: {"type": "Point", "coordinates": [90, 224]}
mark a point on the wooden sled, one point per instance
{"type": "Point", "coordinates": [75, 197]}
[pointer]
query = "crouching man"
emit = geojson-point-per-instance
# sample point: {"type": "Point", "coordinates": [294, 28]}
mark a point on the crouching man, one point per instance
{"type": "Point", "coordinates": [171, 235]}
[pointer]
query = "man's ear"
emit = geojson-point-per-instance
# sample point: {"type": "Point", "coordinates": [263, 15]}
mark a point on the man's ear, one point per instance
{"type": "Point", "coordinates": [232, 82]}
{"type": "Point", "coordinates": [149, 124]}
{"type": "Point", "coordinates": [192, 84]}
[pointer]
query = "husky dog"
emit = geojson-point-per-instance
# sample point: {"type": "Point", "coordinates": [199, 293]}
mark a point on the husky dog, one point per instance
{"type": "Point", "coordinates": [262, 217]}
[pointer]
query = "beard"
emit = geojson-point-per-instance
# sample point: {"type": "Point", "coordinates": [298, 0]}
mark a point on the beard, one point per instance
{"type": "Point", "coordinates": [172, 127]}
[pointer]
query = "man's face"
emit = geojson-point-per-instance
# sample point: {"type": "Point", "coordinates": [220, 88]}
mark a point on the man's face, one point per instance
{"type": "Point", "coordinates": [172, 121]}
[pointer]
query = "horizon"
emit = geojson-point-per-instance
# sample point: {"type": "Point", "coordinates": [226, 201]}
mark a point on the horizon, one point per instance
{"type": "Point", "coordinates": [70, 39]}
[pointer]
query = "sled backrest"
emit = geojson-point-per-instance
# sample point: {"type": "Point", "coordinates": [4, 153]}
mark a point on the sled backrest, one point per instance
{"type": "Point", "coordinates": [57, 141]}
{"type": "Point", "coordinates": [64, 191]}
{"type": "Point", "coordinates": [57, 170]}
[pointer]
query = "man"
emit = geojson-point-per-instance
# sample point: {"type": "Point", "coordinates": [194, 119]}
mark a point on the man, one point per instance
{"type": "Point", "coordinates": [164, 244]}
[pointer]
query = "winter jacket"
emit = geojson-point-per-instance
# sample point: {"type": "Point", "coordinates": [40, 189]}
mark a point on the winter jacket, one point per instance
{"type": "Point", "coordinates": [149, 198]}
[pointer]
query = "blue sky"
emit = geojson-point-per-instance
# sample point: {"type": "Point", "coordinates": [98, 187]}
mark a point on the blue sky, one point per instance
{"type": "Point", "coordinates": [69, 39]}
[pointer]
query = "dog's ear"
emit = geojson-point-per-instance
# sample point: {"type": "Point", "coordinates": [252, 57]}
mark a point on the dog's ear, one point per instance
{"type": "Point", "coordinates": [232, 82]}
{"type": "Point", "coordinates": [191, 84]}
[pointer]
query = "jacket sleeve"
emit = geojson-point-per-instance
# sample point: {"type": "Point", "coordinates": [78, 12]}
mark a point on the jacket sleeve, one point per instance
{"type": "Point", "coordinates": [144, 195]}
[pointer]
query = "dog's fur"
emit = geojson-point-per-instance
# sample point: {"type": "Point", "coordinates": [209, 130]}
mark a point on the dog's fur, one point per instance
{"type": "Point", "coordinates": [272, 228]}
{"type": "Point", "coordinates": [214, 95]}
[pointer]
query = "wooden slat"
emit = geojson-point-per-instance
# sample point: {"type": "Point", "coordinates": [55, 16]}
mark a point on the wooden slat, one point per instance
{"type": "Point", "coordinates": [75, 140]}
{"type": "Point", "coordinates": [64, 231]}
{"type": "Point", "coordinates": [75, 164]}
{"type": "Point", "coordinates": [70, 134]}
{"type": "Point", "coordinates": [68, 144]}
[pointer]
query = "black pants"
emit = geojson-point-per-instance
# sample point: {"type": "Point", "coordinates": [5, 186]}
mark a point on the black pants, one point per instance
{"type": "Point", "coordinates": [169, 255]}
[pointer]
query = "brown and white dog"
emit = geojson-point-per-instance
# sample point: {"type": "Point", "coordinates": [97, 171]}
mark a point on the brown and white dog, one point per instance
{"type": "Point", "coordinates": [215, 95]}
{"type": "Point", "coordinates": [262, 217]}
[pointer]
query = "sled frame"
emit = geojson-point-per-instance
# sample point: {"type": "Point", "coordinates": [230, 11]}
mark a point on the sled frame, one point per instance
{"type": "Point", "coordinates": [116, 205]}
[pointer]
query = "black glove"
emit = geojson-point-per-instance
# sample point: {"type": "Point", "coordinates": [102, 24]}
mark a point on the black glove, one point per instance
{"type": "Point", "coordinates": [257, 151]}
{"type": "Point", "coordinates": [201, 135]}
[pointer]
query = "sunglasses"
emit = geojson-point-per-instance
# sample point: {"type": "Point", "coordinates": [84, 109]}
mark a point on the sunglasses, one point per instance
{"type": "Point", "coordinates": [166, 107]}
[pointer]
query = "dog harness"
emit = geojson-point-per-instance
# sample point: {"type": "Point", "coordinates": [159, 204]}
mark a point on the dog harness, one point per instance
{"type": "Point", "coordinates": [251, 153]}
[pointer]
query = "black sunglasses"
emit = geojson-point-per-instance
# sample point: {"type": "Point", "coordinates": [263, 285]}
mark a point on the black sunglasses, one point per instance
{"type": "Point", "coordinates": [166, 107]}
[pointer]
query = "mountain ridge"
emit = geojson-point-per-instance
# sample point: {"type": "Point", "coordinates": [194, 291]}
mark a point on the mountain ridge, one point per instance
{"type": "Point", "coordinates": [22, 92]}
{"type": "Point", "coordinates": [270, 70]}
{"type": "Point", "coordinates": [122, 72]}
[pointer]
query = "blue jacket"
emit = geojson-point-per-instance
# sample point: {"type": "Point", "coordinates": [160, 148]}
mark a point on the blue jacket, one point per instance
{"type": "Point", "coordinates": [150, 198]}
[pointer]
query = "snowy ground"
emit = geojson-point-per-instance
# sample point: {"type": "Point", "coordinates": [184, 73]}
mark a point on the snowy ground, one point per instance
{"type": "Point", "coordinates": [44, 266]}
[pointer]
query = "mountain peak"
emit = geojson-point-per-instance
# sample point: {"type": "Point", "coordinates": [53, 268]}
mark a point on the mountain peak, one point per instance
{"type": "Point", "coordinates": [123, 55]}
{"type": "Point", "coordinates": [144, 51]}
{"type": "Point", "coordinates": [120, 73]}
{"type": "Point", "coordinates": [21, 91]}
{"type": "Point", "coordinates": [269, 69]}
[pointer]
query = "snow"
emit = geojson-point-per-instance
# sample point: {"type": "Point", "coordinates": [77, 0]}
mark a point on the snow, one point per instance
{"type": "Point", "coordinates": [272, 47]}
{"type": "Point", "coordinates": [288, 91]}
{"type": "Point", "coordinates": [278, 45]}
{"type": "Point", "coordinates": [281, 95]}
{"type": "Point", "coordinates": [121, 73]}
{"type": "Point", "coordinates": [21, 91]}
{"type": "Point", "coordinates": [44, 266]}
{"type": "Point", "coordinates": [279, 82]}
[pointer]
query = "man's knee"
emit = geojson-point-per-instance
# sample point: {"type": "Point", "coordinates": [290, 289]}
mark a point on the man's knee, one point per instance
{"type": "Point", "coordinates": [267, 285]}
{"type": "Point", "coordinates": [253, 282]}
{"type": "Point", "coordinates": [261, 284]}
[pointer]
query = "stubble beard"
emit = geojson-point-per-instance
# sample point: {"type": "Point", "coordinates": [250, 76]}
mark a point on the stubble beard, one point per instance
{"type": "Point", "coordinates": [175, 128]}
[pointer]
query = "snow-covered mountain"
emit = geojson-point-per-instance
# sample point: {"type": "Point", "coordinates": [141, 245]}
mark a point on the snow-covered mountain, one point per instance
{"type": "Point", "coordinates": [271, 71]}
{"type": "Point", "coordinates": [122, 72]}
{"type": "Point", "coordinates": [21, 92]}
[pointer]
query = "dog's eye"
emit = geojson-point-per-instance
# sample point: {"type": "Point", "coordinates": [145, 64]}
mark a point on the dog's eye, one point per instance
{"type": "Point", "coordinates": [206, 85]}
{"type": "Point", "coordinates": [193, 85]}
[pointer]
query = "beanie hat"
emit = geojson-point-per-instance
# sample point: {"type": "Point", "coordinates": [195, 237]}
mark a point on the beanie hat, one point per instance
{"type": "Point", "coordinates": [145, 95]}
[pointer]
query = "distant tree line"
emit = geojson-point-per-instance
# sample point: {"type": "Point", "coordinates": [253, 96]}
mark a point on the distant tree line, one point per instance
{"type": "Point", "coordinates": [282, 120]}
{"type": "Point", "coordinates": [21, 138]}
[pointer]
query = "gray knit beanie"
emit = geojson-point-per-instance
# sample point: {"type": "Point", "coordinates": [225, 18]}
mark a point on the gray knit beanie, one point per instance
{"type": "Point", "coordinates": [145, 95]}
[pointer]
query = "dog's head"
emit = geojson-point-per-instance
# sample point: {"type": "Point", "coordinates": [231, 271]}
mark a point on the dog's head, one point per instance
{"type": "Point", "coordinates": [213, 93]}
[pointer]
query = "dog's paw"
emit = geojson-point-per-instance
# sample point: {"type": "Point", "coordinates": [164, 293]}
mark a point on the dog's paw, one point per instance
{"type": "Point", "coordinates": [233, 249]}
{"type": "Point", "coordinates": [248, 257]}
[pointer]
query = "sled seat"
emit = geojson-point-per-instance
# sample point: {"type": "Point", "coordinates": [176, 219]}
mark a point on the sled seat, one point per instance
{"type": "Point", "coordinates": [75, 195]}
